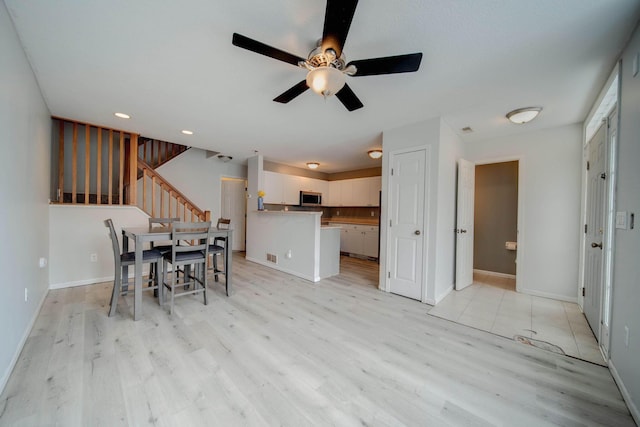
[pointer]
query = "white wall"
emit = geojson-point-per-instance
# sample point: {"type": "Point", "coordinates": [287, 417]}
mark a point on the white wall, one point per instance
{"type": "Point", "coordinates": [77, 232]}
{"type": "Point", "coordinates": [449, 153]}
{"type": "Point", "coordinates": [550, 188]}
{"type": "Point", "coordinates": [25, 139]}
{"type": "Point", "coordinates": [198, 177]}
{"type": "Point", "coordinates": [443, 150]}
{"type": "Point", "coordinates": [279, 232]}
{"type": "Point", "coordinates": [626, 271]}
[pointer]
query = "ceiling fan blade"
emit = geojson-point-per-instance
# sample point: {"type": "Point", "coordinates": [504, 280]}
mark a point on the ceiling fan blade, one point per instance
{"type": "Point", "coordinates": [337, 20]}
{"type": "Point", "coordinates": [292, 93]}
{"type": "Point", "coordinates": [263, 49]}
{"type": "Point", "coordinates": [348, 98]}
{"type": "Point", "coordinates": [387, 65]}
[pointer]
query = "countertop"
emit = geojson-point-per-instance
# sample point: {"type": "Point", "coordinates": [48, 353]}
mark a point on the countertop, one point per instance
{"type": "Point", "coordinates": [355, 221]}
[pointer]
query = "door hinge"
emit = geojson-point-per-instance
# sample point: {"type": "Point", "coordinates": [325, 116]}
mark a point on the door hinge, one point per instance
{"type": "Point", "coordinates": [389, 223]}
{"type": "Point", "coordinates": [389, 275]}
{"type": "Point", "coordinates": [585, 229]}
{"type": "Point", "coordinates": [603, 175]}
{"type": "Point", "coordinates": [583, 292]}
{"type": "Point", "coordinates": [391, 171]}
{"type": "Point", "coordinates": [587, 164]}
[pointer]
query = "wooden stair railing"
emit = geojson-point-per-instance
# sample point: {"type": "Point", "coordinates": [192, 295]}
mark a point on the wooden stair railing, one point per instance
{"type": "Point", "coordinates": [156, 153]}
{"type": "Point", "coordinates": [159, 198]}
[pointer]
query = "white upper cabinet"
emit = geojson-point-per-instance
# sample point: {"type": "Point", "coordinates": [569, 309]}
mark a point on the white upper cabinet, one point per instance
{"type": "Point", "coordinates": [285, 189]}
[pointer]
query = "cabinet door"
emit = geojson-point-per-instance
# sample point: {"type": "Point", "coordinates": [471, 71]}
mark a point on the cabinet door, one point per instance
{"type": "Point", "coordinates": [333, 198]}
{"type": "Point", "coordinates": [353, 239]}
{"type": "Point", "coordinates": [359, 192]}
{"type": "Point", "coordinates": [273, 187]}
{"type": "Point", "coordinates": [370, 241]}
{"type": "Point", "coordinates": [291, 189]}
{"type": "Point", "coordinates": [375, 186]}
{"type": "Point", "coordinates": [346, 192]}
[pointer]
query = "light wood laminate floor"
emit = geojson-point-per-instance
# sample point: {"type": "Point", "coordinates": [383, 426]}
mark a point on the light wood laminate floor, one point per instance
{"type": "Point", "coordinates": [284, 351]}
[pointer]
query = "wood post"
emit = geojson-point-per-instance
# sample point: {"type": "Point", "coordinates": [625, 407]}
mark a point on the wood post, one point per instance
{"type": "Point", "coordinates": [133, 169]}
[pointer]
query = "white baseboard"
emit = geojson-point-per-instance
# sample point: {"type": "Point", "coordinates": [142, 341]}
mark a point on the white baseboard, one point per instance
{"type": "Point", "coordinates": [495, 274]}
{"type": "Point", "coordinates": [625, 393]}
{"type": "Point", "coordinates": [443, 294]}
{"type": "Point", "coordinates": [549, 295]}
{"type": "Point", "coordinates": [23, 340]}
{"type": "Point", "coordinates": [284, 270]}
{"type": "Point", "coordinates": [92, 281]}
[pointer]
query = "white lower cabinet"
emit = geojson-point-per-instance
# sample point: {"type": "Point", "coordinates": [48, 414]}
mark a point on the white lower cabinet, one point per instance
{"type": "Point", "coordinates": [359, 239]}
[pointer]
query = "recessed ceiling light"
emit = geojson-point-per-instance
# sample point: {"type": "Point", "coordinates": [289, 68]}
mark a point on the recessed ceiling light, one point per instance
{"type": "Point", "coordinates": [122, 115]}
{"type": "Point", "coordinates": [187, 132]}
{"type": "Point", "coordinates": [375, 154]}
{"type": "Point", "coordinates": [523, 115]}
{"type": "Point", "coordinates": [313, 165]}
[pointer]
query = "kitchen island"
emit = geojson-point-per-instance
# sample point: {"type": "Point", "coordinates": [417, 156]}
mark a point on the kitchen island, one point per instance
{"type": "Point", "coordinates": [294, 242]}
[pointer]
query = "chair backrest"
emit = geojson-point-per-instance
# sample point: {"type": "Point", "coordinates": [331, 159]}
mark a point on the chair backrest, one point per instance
{"type": "Point", "coordinates": [198, 232]}
{"type": "Point", "coordinates": [223, 223]}
{"type": "Point", "coordinates": [114, 239]}
{"type": "Point", "coordinates": [164, 222]}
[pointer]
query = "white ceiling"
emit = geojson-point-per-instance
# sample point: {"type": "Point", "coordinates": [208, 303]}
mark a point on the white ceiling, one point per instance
{"type": "Point", "coordinates": [171, 66]}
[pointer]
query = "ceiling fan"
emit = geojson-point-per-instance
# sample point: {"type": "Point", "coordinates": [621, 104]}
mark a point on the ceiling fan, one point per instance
{"type": "Point", "coordinates": [326, 64]}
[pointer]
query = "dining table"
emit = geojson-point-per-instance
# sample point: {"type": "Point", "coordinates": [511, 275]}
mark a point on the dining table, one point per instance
{"type": "Point", "coordinates": [142, 235]}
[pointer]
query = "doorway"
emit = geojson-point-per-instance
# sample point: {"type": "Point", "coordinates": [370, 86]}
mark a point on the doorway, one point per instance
{"type": "Point", "coordinates": [233, 205]}
{"type": "Point", "coordinates": [496, 223]}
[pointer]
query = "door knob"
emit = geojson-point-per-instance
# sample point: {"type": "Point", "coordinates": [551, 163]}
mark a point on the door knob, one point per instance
{"type": "Point", "coordinates": [596, 245]}
{"type": "Point", "coordinates": [417, 232]}
{"type": "Point", "coordinates": [462, 230]}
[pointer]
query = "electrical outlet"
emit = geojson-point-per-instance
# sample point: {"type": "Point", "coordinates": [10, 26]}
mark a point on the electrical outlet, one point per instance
{"type": "Point", "coordinates": [42, 262]}
{"type": "Point", "coordinates": [372, 213]}
{"type": "Point", "coordinates": [26, 294]}
{"type": "Point", "coordinates": [93, 257]}
{"type": "Point", "coordinates": [626, 336]}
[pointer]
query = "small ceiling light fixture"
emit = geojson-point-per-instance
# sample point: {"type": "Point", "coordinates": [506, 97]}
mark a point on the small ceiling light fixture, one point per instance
{"type": "Point", "coordinates": [122, 115]}
{"type": "Point", "coordinates": [187, 132]}
{"type": "Point", "coordinates": [313, 165]}
{"type": "Point", "coordinates": [224, 158]}
{"type": "Point", "coordinates": [523, 115]}
{"type": "Point", "coordinates": [375, 154]}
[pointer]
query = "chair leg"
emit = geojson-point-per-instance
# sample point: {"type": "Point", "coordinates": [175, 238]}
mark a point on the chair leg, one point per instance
{"type": "Point", "coordinates": [204, 280]}
{"type": "Point", "coordinates": [215, 267]}
{"type": "Point", "coordinates": [117, 285]}
{"type": "Point", "coordinates": [174, 273]}
{"type": "Point", "coordinates": [159, 284]}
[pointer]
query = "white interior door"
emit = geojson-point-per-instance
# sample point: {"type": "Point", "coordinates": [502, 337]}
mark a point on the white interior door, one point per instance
{"type": "Point", "coordinates": [594, 233]}
{"type": "Point", "coordinates": [234, 206]}
{"type": "Point", "coordinates": [406, 233]}
{"type": "Point", "coordinates": [464, 223]}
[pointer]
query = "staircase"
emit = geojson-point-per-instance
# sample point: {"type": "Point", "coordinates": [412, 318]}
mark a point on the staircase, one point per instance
{"type": "Point", "coordinates": [94, 165]}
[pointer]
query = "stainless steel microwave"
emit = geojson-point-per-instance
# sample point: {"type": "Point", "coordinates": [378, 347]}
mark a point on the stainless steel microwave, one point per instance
{"type": "Point", "coordinates": [309, 198]}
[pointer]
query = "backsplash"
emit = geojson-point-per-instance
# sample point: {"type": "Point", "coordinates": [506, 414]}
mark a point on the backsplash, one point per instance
{"type": "Point", "coordinates": [333, 213]}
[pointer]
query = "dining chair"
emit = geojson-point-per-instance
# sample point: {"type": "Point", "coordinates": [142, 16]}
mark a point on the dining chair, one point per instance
{"type": "Point", "coordinates": [163, 247]}
{"type": "Point", "coordinates": [126, 259]}
{"type": "Point", "coordinates": [189, 247]}
{"type": "Point", "coordinates": [218, 246]}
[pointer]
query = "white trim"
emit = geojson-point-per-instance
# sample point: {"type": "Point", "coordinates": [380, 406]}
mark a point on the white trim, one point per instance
{"type": "Point", "coordinates": [521, 219]}
{"type": "Point", "coordinates": [494, 273]}
{"type": "Point", "coordinates": [549, 295]}
{"type": "Point", "coordinates": [284, 270]}
{"type": "Point", "coordinates": [442, 295]}
{"type": "Point", "coordinates": [95, 280]}
{"type": "Point", "coordinates": [635, 413]}
{"type": "Point", "coordinates": [23, 340]}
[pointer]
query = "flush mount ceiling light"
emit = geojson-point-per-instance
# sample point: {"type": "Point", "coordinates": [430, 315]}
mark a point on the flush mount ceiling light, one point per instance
{"type": "Point", "coordinates": [187, 132]}
{"type": "Point", "coordinates": [523, 115]}
{"type": "Point", "coordinates": [313, 165]}
{"type": "Point", "coordinates": [375, 154]}
{"type": "Point", "coordinates": [224, 158]}
{"type": "Point", "coordinates": [122, 115]}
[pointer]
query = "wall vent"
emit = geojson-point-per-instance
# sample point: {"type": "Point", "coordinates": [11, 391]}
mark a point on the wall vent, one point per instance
{"type": "Point", "coordinates": [272, 258]}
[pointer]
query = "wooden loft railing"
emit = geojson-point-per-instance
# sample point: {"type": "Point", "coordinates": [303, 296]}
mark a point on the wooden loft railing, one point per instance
{"type": "Point", "coordinates": [158, 198]}
{"type": "Point", "coordinates": [100, 166]}
{"type": "Point", "coordinates": [95, 165]}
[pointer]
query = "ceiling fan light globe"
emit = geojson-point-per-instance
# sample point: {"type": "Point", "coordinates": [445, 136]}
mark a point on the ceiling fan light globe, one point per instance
{"type": "Point", "coordinates": [325, 81]}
